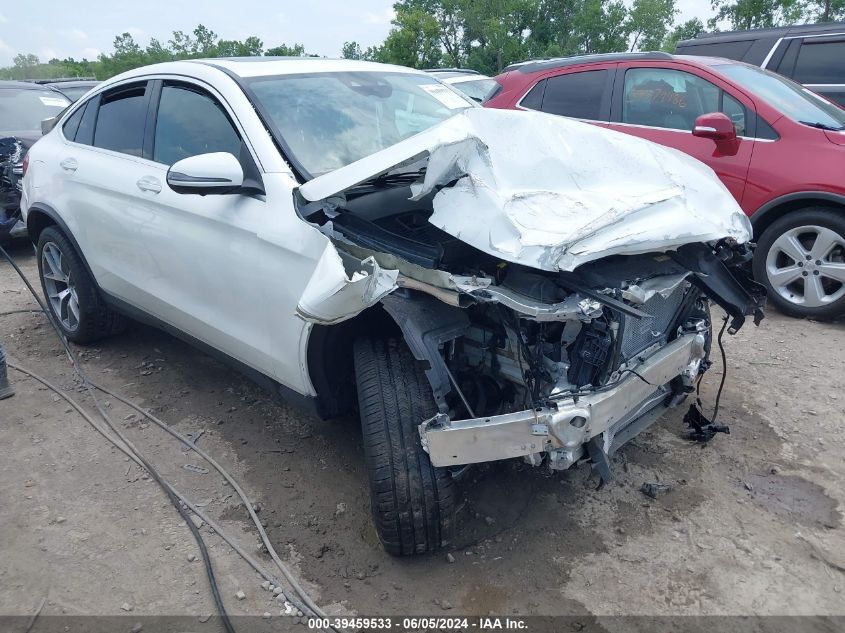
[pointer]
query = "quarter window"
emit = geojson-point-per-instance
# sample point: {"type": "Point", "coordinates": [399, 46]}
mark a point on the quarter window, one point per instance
{"type": "Point", "coordinates": [577, 95]}
{"type": "Point", "coordinates": [191, 122]}
{"type": "Point", "coordinates": [120, 120]}
{"type": "Point", "coordinates": [72, 124]}
{"type": "Point", "coordinates": [673, 99]}
{"type": "Point", "coordinates": [534, 99]}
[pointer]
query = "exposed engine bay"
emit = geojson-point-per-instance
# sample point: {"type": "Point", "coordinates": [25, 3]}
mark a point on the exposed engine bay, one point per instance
{"type": "Point", "coordinates": [11, 172]}
{"type": "Point", "coordinates": [503, 338]}
{"type": "Point", "coordinates": [556, 299]}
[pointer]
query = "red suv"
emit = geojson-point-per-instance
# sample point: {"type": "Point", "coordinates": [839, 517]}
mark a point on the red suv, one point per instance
{"type": "Point", "coordinates": [778, 148]}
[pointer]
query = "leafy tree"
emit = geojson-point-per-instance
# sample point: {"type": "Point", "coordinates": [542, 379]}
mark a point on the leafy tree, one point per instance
{"type": "Point", "coordinates": [686, 31]}
{"type": "Point", "coordinates": [351, 50]}
{"type": "Point", "coordinates": [283, 50]}
{"type": "Point", "coordinates": [250, 47]}
{"type": "Point", "coordinates": [204, 42]}
{"type": "Point", "coordinates": [649, 21]}
{"type": "Point", "coordinates": [824, 10]}
{"type": "Point", "coordinates": [756, 14]}
{"type": "Point", "coordinates": [413, 41]}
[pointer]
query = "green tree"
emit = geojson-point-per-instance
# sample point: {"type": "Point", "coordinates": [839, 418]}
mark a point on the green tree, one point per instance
{"type": "Point", "coordinates": [686, 31]}
{"type": "Point", "coordinates": [283, 50]}
{"type": "Point", "coordinates": [649, 21]}
{"type": "Point", "coordinates": [824, 10]}
{"type": "Point", "coordinates": [413, 41]}
{"type": "Point", "coordinates": [602, 26]}
{"type": "Point", "coordinates": [204, 42]}
{"type": "Point", "coordinates": [250, 47]}
{"type": "Point", "coordinates": [756, 14]}
{"type": "Point", "coordinates": [351, 50]}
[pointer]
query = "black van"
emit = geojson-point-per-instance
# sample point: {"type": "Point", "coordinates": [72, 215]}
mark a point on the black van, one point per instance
{"type": "Point", "coordinates": [812, 54]}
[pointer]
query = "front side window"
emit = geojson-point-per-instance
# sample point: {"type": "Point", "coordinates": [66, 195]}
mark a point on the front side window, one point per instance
{"type": "Point", "coordinates": [121, 119]}
{"type": "Point", "coordinates": [577, 95]}
{"type": "Point", "coordinates": [820, 63]}
{"type": "Point", "coordinates": [329, 120]}
{"type": "Point", "coordinates": [22, 110]}
{"type": "Point", "coordinates": [664, 98]}
{"type": "Point", "coordinates": [190, 122]}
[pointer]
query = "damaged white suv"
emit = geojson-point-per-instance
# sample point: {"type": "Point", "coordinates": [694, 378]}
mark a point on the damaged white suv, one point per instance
{"type": "Point", "coordinates": [479, 284]}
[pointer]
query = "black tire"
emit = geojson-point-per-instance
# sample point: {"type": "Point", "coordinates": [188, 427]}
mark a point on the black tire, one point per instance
{"type": "Point", "coordinates": [413, 503]}
{"type": "Point", "coordinates": [96, 319]}
{"type": "Point", "coordinates": [819, 216]}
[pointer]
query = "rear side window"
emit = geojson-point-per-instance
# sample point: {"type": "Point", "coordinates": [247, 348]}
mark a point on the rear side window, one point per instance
{"type": "Point", "coordinates": [72, 124]}
{"type": "Point", "coordinates": [121, 119]}
{"type": "Point", "coordinates": [731, 50]}
{"type": "Point", "coordinates": [820, 63]}
{"type": "Point", "coordinates": [191, 122]}
{"type": "Point", "coordinates": [577, 95]}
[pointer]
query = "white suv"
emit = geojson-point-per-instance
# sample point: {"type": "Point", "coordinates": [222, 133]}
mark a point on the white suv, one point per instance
{"type": "Point", "coordinates": [477, 284]}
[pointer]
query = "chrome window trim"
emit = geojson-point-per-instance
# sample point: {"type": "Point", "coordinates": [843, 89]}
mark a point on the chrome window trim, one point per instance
{"type": "Point", "coordinates": [669, 129]}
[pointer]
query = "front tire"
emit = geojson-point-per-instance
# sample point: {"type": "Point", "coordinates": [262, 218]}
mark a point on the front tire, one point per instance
{"type": "Point", "coordinates": [412, 502]}
{"type": "Point", "coordinates": [70, 292]}
{"type": "Point", "coordinates": [800, 259]}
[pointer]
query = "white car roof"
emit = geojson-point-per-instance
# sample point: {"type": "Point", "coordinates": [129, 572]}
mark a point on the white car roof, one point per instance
{"type": "Point", "coordinates": [264, 66]}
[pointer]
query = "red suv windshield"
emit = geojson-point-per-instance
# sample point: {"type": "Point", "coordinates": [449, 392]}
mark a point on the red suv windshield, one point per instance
{"type": "Point", "coordinates": [792, 99]}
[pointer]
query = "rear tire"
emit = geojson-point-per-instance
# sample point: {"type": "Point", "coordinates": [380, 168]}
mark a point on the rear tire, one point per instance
{"type": "Point", "coordinates": [413, 503]}
{"type": "Point", "coordinates": [800, 259]}
{"type": "Point", "coordinates": [70, 292]}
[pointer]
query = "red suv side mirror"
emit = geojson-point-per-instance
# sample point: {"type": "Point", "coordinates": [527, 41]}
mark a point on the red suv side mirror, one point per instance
{"type": "Point", "coordinates": [716, 126]}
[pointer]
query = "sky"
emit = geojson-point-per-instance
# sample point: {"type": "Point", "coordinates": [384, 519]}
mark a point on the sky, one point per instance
{"type": "Point", "coordinates": [84, 28]}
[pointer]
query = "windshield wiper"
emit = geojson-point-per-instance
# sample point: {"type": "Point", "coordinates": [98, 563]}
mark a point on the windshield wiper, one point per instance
{"type": "Point", "coordinates": [823, 126]}
{"type": "Point", "coordinates": [390, 180]}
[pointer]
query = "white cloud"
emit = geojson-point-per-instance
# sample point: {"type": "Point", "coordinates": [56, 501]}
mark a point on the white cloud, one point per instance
{"type": "Point", "coordinates": [5, 49]}
{"type": "Point", "coordinates": [74, 34]}
{"type": "Point", "coordinates": [46, 54]}
{"type": "Point", "coordinates": [379, 19]}
{"type": "Point", "coordinates": [91, 53]}
{"type": "Point", "coordinates": [3, 19]}
{"type": "Point", "coordinates": [135, 32]}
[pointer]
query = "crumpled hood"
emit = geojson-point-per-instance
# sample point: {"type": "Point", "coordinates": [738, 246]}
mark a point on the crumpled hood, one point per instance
{"type": "Point", "coordinates": [553, 193]}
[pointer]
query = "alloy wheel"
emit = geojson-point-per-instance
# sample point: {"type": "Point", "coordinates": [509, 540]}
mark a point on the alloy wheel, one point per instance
{"type": "Point", "coordinates": [61, 291]}
{"type": "Point", "coordinates": [806, 266]}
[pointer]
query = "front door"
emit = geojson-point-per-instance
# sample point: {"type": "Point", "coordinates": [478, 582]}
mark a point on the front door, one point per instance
{"type": "Point", "coordinates": [662, 104]}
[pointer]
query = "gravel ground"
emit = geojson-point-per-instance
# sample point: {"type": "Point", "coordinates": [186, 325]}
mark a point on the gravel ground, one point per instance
{"type": "Point", "coordinates": [752, 524]}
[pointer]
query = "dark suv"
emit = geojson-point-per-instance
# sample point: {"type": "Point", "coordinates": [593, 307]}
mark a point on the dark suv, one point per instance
{"type": "Point", "coordinates": [813, 54]}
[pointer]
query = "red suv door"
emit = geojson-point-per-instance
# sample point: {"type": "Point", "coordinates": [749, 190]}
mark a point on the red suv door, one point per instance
{"type": "Point", "coordinates": [661, 101]}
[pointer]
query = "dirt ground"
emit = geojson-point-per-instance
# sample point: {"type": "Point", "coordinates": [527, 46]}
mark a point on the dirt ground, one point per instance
{"type": "Point", "coordinates": [752, 526]}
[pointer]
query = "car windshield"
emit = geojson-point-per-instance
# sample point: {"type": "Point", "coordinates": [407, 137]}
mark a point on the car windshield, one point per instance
{"type": "Point", "coordinates": [792, 99]}
{"type": "Point", "coordinates": [74, 92]}
{"type": "Point", "coordinates": [477, 89]}
{"type": "Point", "coordinates": [329, 120]}
{"type": "Point", "coordinates": [23, 110]}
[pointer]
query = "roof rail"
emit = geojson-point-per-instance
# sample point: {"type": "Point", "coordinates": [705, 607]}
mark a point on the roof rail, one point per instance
{"type": "Point", "coordinates": [562, 62]}
{"type": "Point", "coordinates": [468, 71]}
{"type": "Point", "coordinates": [60, 80]}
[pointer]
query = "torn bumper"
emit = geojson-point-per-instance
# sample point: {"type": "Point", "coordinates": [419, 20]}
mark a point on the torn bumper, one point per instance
{"type": "Point", "coordinates": [564, 426]}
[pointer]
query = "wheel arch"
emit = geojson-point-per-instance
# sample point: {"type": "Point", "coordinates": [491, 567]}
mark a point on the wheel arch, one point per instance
{"type": "Point", "coordinates": [39, 217]}
{"type": "Point", "coordinates": [775, 209]}
{"type": "Point", "coordinates": [425, 323]}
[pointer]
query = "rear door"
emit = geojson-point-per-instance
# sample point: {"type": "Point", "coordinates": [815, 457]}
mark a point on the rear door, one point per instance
{"type": "Point", "coordinates": [583, 94]}
{"type": "Point", "coordinates": [661, 104]}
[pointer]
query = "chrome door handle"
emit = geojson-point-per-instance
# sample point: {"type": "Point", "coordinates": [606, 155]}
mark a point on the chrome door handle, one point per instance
{"type": "Point", "coordinates": [148, 183]}
{"type": "Point", "coordinates": [69, 164]}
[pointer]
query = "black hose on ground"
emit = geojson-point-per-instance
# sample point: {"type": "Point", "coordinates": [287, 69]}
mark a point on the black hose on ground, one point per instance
{"type": "Point", "coordinates": [209, 569]}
